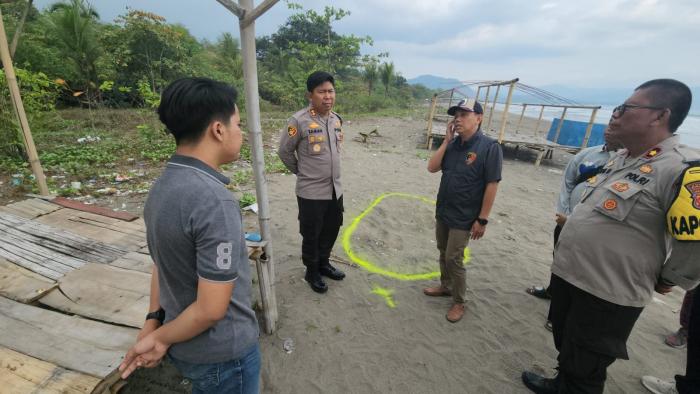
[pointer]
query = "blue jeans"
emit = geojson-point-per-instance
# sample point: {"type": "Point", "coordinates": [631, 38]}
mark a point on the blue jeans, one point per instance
{"type": "Point", "coordinates": [241, 376]}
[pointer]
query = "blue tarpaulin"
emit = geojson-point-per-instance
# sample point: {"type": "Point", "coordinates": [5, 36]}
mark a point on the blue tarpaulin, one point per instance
{"type": "Point", "coordinates": [573, 131]}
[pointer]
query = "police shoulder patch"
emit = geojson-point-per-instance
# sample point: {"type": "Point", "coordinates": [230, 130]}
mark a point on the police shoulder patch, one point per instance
{"type": "Point", "coordinates": [292, 131]}
{"type": "Point", "coordinates": [683, 218]}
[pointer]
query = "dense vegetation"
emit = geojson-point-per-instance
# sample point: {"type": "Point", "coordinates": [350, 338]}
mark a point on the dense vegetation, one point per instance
{"type": "Point", "coordinates": [82, 78]}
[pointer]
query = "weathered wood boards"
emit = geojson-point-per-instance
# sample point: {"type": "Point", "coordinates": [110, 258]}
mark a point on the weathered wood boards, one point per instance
{"type": "Point", "coordinates": [129, 236]}
{"type": "Point", "coordinates": [31, 208]}
{"type": "Point", "coordinates": [49, 251]}
{"type": "Point", "coordinates": [72, 342]}
{"type": "Point", "coordinates": [103, 292]}
{"type": "Point", "coordinates": [20, 284]}
{"type": "Point", "coordinates": [21, 374]}
{"type": "Point", "coordinates": [137, 261]}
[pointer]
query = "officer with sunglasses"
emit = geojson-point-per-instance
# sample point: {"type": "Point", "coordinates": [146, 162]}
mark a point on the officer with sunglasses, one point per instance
{"type": "Point", "coordinates": [636, 230]}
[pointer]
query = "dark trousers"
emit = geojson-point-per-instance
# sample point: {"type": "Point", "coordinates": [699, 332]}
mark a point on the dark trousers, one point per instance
{"type": "Point", "coordinates": [319, 223]}
{"type": "Point", "coordinates": [690, 383]}
{"type": "Point", "coordinates": [589, 333]}
{"type": "Point", "coordinates": [686, 308]}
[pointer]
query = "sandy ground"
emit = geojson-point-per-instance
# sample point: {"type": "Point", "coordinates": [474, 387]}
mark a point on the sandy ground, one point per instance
{"type": "Point", "coordinates": [350, 340]}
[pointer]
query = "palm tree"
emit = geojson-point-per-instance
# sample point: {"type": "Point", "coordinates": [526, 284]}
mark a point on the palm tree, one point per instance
{"type": "Point", "coordinates": [386, 72]}
{"type": "Point", "coordinates": [370, 75]}
{"type": "Point", "coordinates": [74, 25]}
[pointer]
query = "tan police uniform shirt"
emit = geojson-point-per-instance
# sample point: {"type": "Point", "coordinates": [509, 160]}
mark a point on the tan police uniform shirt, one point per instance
{"type": "Point", "coordinates": [310, 148]}
{"type": "Point", "coordinates": [616, 244]}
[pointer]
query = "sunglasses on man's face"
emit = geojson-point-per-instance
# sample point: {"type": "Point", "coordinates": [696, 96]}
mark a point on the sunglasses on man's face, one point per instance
{"type": "Point", "coordinates": [622, 108]}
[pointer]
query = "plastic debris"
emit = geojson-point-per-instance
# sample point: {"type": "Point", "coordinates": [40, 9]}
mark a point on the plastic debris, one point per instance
{"type": "Point", "coordinates": [288, 345]}
{"type": "Point", "coordinates": [88, 138]}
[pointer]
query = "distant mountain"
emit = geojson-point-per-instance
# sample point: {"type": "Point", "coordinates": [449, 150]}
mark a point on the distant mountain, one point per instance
{"type": "Point", "coordinates": [434, 82]}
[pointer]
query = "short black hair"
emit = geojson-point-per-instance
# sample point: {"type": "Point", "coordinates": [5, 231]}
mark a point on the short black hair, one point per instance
{"type": "Point", "coordinates": [318, 78]}
{"type": "Point", "coordinates": [671, 94]}
{"type": "Point", "coordinates": [189, 105]}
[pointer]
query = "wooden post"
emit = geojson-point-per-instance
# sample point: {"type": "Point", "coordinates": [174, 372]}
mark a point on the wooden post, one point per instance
{"type": "Point", "coordinates": [431, 113]}
{"type": "Point", "coordinates": [520, 121]}
{"type": "Point", "coordinates": [561, 123]}
{"type": "Point", "coordinates": [537, 128]}
{"type": "Point", "coordinates": [504, 118]}
{"type": "Point", "coordinates": [16, 99]}
{"type": "Point", "coordinates": [495, 100]}
{"type": "Point", "coordinates": [589, 128]}
{"type": "Point", "coordinates": [250, 76]}
{"type": "Point", "coordinates": [486, 100]}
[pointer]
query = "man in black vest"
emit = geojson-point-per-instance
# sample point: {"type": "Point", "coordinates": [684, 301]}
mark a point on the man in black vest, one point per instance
{"type": "Point", "coordinates": [471, 169]}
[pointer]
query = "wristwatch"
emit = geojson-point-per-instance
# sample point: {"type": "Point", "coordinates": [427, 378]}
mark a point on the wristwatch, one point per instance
{"type": "Point", "coordinates": [482, 222]}
{"type": "Point", "coordinates": [158, 315]}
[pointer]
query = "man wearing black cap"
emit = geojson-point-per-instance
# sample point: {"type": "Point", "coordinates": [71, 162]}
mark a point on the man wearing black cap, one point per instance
{"type": "Point", "coordinates": [471, 169]}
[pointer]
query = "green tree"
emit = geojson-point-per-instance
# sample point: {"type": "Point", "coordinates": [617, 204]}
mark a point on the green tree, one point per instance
{"type": "Point", "coordinates": [75, 27]}
{"type": "Point", "coordinates": [370, 75]}
{"type": "Point", "coordinates": [386, 72]}
{"type": "Point", "coordinates": [144, 47]}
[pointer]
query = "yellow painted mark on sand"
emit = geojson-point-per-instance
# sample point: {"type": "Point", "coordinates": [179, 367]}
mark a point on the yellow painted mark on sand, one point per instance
{"type": "Point", "coordinates": [386, 294]}
{"type": "Point", "coordinates": [374, 268]}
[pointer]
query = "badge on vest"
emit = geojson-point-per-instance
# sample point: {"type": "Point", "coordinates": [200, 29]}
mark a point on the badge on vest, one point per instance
{"type": "Point", "coordinates": [471, 157]}
{"type": "Point", "coordinates": [292, 131]}
{"type": "Point", "coordinates": [652, 153]}
{"type": "Point", "coordinates": [683, 218]}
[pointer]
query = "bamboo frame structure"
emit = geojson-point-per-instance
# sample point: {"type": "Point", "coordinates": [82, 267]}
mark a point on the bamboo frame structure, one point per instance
{"type": "Point", "coordinates": [431, 115]}
{"type": "Point", "coordinates": [536, 142]}
{"type": "Point", "coordinates": [18, 106]}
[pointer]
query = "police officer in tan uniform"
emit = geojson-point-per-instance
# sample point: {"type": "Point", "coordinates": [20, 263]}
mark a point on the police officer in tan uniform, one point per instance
{"type": "Point", "coordinates": [310, 148]}
{"type": "Point", "coordinates": [624, 240]}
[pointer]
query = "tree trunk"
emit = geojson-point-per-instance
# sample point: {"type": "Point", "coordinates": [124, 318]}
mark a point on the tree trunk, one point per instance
{"type": "Point", "coordinates": [18, 31]}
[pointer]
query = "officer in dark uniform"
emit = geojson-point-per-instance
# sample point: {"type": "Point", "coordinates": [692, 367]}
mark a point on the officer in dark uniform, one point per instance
{"type": "Point", "coordinates": [310, 148]}
{"type": "Point", "coordinates": [471, 169]}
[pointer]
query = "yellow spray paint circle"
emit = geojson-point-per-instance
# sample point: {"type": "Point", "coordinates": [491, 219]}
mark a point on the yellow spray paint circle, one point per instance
{"type": "Point", "coordinates": [374, 268]}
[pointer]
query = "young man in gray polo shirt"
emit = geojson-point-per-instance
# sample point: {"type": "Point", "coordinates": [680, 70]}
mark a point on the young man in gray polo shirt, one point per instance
{"type": "Point", "coordinates": [200, 313]}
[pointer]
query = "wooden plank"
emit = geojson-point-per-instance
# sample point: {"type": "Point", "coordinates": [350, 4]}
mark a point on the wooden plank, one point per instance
{"type": "Point", "coordinates": [20, 373]}
{"type": "Point", "coordinates": [129, 236]}
{"type": "Point", "coordinates": [30, 208]}
{"type": "Point", "coordinates": [103, 292]}
{"type": "Point", "coordinates": [80, 206]}
{"type": "Point", "coordinates": [71, 342]}
{"type": "Point", "coordinates": [22, 285]}
{"type": "Point", "coordinates": [136, 261]}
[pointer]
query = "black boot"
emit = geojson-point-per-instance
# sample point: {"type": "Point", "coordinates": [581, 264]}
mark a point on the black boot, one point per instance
{"type": "Point", "coordinates": [330, 271]}
{"type": "Point", "coordinates": [313, 278]}
{"type": "Point", "coordinates": [540, 384]}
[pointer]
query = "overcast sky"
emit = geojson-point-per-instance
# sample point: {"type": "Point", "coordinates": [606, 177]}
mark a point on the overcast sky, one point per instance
{"type": "Point", "coordinates": [591, 43]}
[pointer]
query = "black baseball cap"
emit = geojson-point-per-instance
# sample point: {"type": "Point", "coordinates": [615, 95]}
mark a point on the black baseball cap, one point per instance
{"type": "Point", "coordinates": [468, 105]}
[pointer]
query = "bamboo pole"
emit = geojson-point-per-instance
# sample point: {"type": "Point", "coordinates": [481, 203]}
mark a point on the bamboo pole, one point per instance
{"type": "Point", "coordinates": [478, 90]}
{"type": "Point", "coordinates": [561, 123]}
{"type": "Point", "coordinates": [495, 100]}
{"type": "Point", "coordinates": [537, 128]}
{"type": "Point", "coordinates": [452, 93]}
{"type": "Point", "coordinates": [431, 113]}
{"type": "Point", "coordinates": [589, 128]}
{"type": "Point", "coordinates": [520, 121]}
{"type": "Point", "coordinates": [250, 75]}
{"type": "Point", "coordinates": [504, 118]}
{"type": "Point", "coordinates": [19, 111]}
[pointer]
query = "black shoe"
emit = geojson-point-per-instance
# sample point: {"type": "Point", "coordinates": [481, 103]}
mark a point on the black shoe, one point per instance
{"type": "Point", "coordinates": [539, 384]}
{"type": "Point", "coordinates": [316, 282]}
{"type": "Point", "coordinates": [331, 272]}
